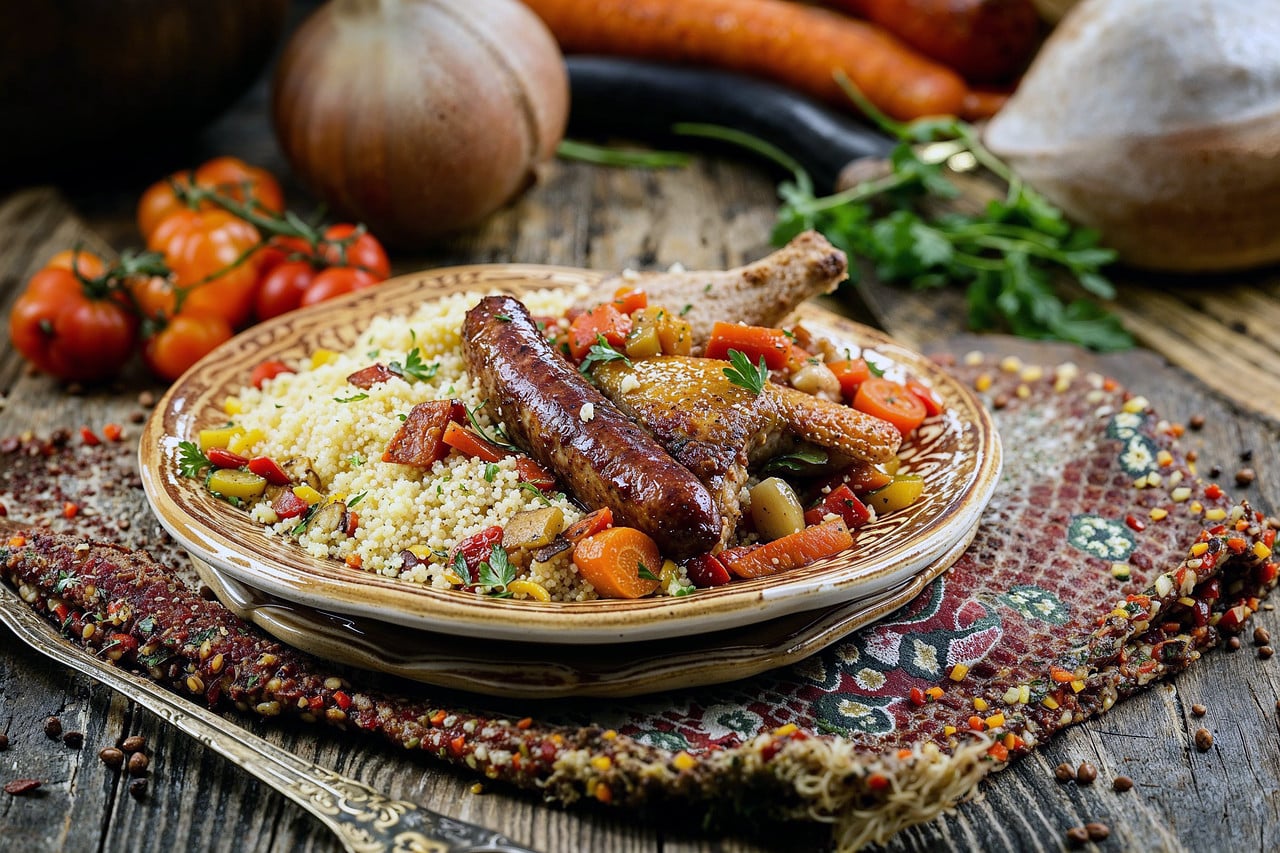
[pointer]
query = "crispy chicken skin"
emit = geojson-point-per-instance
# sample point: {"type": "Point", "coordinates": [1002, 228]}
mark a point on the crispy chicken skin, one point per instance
{"type": "Point", "coordinates": [758, 294]}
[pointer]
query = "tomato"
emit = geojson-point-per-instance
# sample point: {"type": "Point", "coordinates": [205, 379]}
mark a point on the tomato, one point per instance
{"type": "Point", "coordinates": [336, 281]}
{"type": "Point", "coordinates": [68, 332]}
{"type": "Point", "coordinates": [210, 252]}
{"type": "Point", "coordinates": [183, 341]}
{"type": "Point", "coordinates": [228, 175]}
{"type": "Point", "coordinates": [362, 252]}
{"type": "Point", "coordinates": [268, 370]}
{"type": "Point", "coordinates": [933, 404]}
{"type": "Point", "coordinates": [87, 264]}
{"type": "Point", "coordinates": [890, 401]}
{"type": "Point", "coordinates": [282, 288]}
{"type": "Point", "coordinates": [155, 297]}
{"type": "Point", "coordinates": [282, 249]}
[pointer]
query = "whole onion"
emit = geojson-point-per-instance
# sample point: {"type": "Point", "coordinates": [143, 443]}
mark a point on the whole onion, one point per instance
{"type": "Point", "coordinates": [420, 117]}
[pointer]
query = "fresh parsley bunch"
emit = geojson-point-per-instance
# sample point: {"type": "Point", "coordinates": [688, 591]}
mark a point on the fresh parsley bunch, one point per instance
{"type": "Point", "coordinates": [1008, 256]}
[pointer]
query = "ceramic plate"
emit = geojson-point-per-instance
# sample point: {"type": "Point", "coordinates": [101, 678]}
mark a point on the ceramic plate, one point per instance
{"type": "Point", "coordinates": [957, 453]}
{"type": "Point", "coordinates": [545, 671]}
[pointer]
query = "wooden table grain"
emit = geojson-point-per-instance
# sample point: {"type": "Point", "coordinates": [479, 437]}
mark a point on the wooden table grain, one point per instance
{"type": "Point", "coordinates": [715, 213]}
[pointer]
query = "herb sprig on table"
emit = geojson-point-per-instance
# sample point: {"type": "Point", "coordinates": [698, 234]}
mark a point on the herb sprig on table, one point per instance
{"type": "Point", "coordinates": [1008, 256]}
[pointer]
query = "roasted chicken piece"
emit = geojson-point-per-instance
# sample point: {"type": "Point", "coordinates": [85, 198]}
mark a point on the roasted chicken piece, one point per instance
{"type": "Point", "coordinates": [718, 429]}
{"type": "Point", "coordinates": [758, 294]}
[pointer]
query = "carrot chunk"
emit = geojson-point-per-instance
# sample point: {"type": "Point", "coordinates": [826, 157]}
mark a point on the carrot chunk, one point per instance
{"type": "Point", "coordinates": [468, 443]}
{"type": "Point", "coordinates": [418, 442]}
{"type": "Point", "coordinates": [620, 562]}
{"type": "Point", "coordinates": [790, 552]}
{"type": "Point", "coordinates": [755, 342]}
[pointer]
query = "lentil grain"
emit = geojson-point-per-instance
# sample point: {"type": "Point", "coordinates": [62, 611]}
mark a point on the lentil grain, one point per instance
{"type": "Point", "coordinates": [111, 757]}
{"type": "Point", "coordinates": [1086, 773]}
{"type": "Point", "coordinates": [1265, 652]}
{"type": "Point", "coordinates": [133, 743]}
{"type": "Point", "coordinates": [1122, 784]}
{"type": "Point", "coordinates": [1245, 477]}
{"type": "Point", "coordinates": [1065, 773]}
{"type": "Point", "coordinates": [1196, 421]}
{"type": "Point", "coordinates": [19, 787]}
{"type": "Point", "coordinates": [1204, 739]}
{"type": "Point", "coordinates": [1233, 643]}
{"type": "Point", "coordinates": [1097, 831]}
{"type": "Point", "coordinates": [138, 764]}
{"type": "Point", "coordinates": [1077, 835]}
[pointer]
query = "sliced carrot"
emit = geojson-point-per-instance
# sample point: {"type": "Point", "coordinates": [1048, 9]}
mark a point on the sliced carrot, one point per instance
{"type": "Point", "coordinates": [602, 321]}
{"type": "Point", "coordinates": [755, 342]}
{"type": "Point", "coordinates": [851, 372]}
{"type": "Point", "coordinates": [789, 552]}
{"type": "Point", "coordinates": [614, 561]}
{"type": "Point", "coordinates": [589, 525]}
{"type": "Point", "coordinates": [468, 443]}
{"type": "Point", "coordinates": [890, 401]}
{"type": "Point", "coordinates": [534, 474]}
{"type": "Point", "coordinates": [629, 300]}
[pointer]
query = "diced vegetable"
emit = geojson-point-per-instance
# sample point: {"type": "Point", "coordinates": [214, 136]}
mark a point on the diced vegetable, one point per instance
{"type": "Point", "coordinates": [533, 528]}
{"type": "Point", "coordinates": [890, 401]}
{"type": "Point", "coordinates": [468, 443]}
{"type": "Point", "coordinates": [775, 509]}
{"type": "Point", "coordinates": [755, 342]}
{"type": "Point", "coordinates": [536, 591]}
{"type": "Point", "coordinates": [815, 378]}
{"type": "Point", "coordinates": [932, 402]}
{"type": "Point", "coordinates": [589, 525]}
{"type": "Point", "coordinates": [268, 370]}
{"type": "Point", "coordinates": [850, 373]}
{"type": "Point", "coordinates": [222, 458]}
{"type": "Point", "coordinates": [269, 469]}
{"type": "Point", "coordinates": [789, 552]}
{"type": "Point", "coordinates": [620, 562]}
{"type": "Point", "coordinates": [308, 494]}
{"type": "Point", "coordinates": [629, 300]}
{"type": "Point", "coordinates": [602, 321]}
{"type": "Point", "coordinates": [840, 501]}
{"type": "Point", "coordinates": [234, 483]}
{"type": "Point", "coordinates": [675, 333]}
{"type": "Point", "coordinates": [369, 376]}
{"type": "Point", "coordinates": [707, 571]}
{"type": "Point", "coordinates": [289, 505]}
{"type": "Point", "coordinates": [419, 442]}
{"type": "Point", "coordinates": [905, 490]}
{"type": "Point", "coordinates": [328, 518]}
{"type": "Point", "coordinates": [862, 477]}
{"type": "Point", "coordinates": [245, 440]}
{"type": "Point", "coordinates": [644, 340]}
{"type": "Point", "coordinates": [475, 549]}
{"type": "Point", "coordinates": [219, 437]}
{"type": "Point", "coordinates": [534, 474]}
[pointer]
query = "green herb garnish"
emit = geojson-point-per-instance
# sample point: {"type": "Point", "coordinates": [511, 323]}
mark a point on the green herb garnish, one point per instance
{"type": "Point", "coordinates": [353, 398]}
{"type": "Point", "coordinates": [642, 572]}
{"type": "Point", "coordinates": [800, 461]}
{"type": "Point", "coordinates": [356, 459]}
{"type": "Point", "coordinates": [1010, 256]}
{"type": "Point", "coordinates": [745, 374]}
{"type": "Point", "coordinates": [490, 472]}
{"type": "Point", "coordinates": [536, 492]}
{"type": "Point", "coordinates": [498, 436]}
{"type": "Point", "coordinates": [191, 459]}
{"type": "Point", "coordinates": [356, 500]}
{"type": "Point", "coordinates": [65, 580]}
{"type": "Point", "coordinates": [601, 353]}
{"type": "Point", "coordinates": [414, 368]}
{"type": "Point", "coordinates": [497, 571]}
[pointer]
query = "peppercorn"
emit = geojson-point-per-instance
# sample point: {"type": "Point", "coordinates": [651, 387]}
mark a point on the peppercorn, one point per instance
{"type": "Point", "coordinates": [112, 757]}
{"type": "Point", "coordinates": [53, 727]}
{"type": "Point", "coordinates": [133, 743]}
{"type": "Point", "coordinates": [1097, 831]}
{"type": "Point", "coordinates": [75, 740]}
{"type": "Point", "coordinates": [1204, 739]}
{"type": "Point", "coordinates": [1245, 476]}
{"type": "Point", "coordinates": [1246, 455]}
{"type": "Point", "coordinates": [1122, 784]}
{"type": "Point", "coordinates": [1086, 773]}
{"type": "Point", "coordinates": [138, 763]}
{"type": "Point", "coordinates": [1215, 472]}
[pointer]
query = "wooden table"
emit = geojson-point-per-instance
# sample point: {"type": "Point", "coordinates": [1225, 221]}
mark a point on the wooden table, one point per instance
{"type": "Point", "coordinates": [715, 213]}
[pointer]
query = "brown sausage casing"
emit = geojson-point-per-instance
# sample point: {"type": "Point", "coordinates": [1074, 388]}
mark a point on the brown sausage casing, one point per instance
{"type": "Point", "coordinates": [554, 413]}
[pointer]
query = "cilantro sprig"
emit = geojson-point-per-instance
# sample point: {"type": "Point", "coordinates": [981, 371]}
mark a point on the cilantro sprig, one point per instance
{"type": "Point", "coordinates": [1012, 256]}
{"type": "Point", "coordinates": [744, 374]}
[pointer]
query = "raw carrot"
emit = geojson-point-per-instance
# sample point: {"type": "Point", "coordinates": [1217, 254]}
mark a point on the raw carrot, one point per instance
{"type": "Point", "coordinates": [789, 552]}
{"type": "Point", "coordinates": [620, 562]}
{"type": "Point", "coordinates": [801, 46]}
{"type": "Point", "coordinates": [469, 444]}
{"type": "Point", "coordinates": [984, 40]}
{"type": "Point", "coordinates": [755, 342]}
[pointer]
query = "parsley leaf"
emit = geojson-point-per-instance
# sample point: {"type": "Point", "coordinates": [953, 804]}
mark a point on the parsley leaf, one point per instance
{"type": "Point", "coordinates": [191, 459]}
{"type": "Point", "coordinates": [601, 353]}
{"type": "Point", "coordinates": [414, 368]}
{"type": "Point", "coordinates": [800, 461]}
{"type": "Point", "coordinates": [1017, 258]}
{"type": "Point", "coordinates": [642, 572]}
{"type": "Point", "coordinates": [745, 374]}
{"type": "Point", "coordinates": [536, 493]}
{"type": "Point", "coordinates": [497, 571]}
{"type": "Point", "coordinates": [490, 472]}
{"type": "Point", "coordinates": [356, 500]}
{"type": "Point", "coordinates": [353, 398]}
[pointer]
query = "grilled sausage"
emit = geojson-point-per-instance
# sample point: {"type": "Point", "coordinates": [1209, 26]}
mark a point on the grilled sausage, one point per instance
{"type": "Point", "coordinates": [552, 412]}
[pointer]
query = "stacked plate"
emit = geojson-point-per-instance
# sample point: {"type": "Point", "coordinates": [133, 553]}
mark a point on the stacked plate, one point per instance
{"type": "Point", "coordinates": [535, 649]}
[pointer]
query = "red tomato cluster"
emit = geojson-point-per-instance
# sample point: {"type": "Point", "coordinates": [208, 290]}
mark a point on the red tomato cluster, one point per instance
{"type": "Point", "coordinates": [225, 254]}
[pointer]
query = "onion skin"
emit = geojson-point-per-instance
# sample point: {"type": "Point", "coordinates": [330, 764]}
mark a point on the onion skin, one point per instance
{"type": "Point", "coordinates": [420, 117]}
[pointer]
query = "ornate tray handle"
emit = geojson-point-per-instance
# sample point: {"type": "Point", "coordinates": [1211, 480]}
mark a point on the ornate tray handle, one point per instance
{"type": "Point", "coordinates": [363, 819]}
